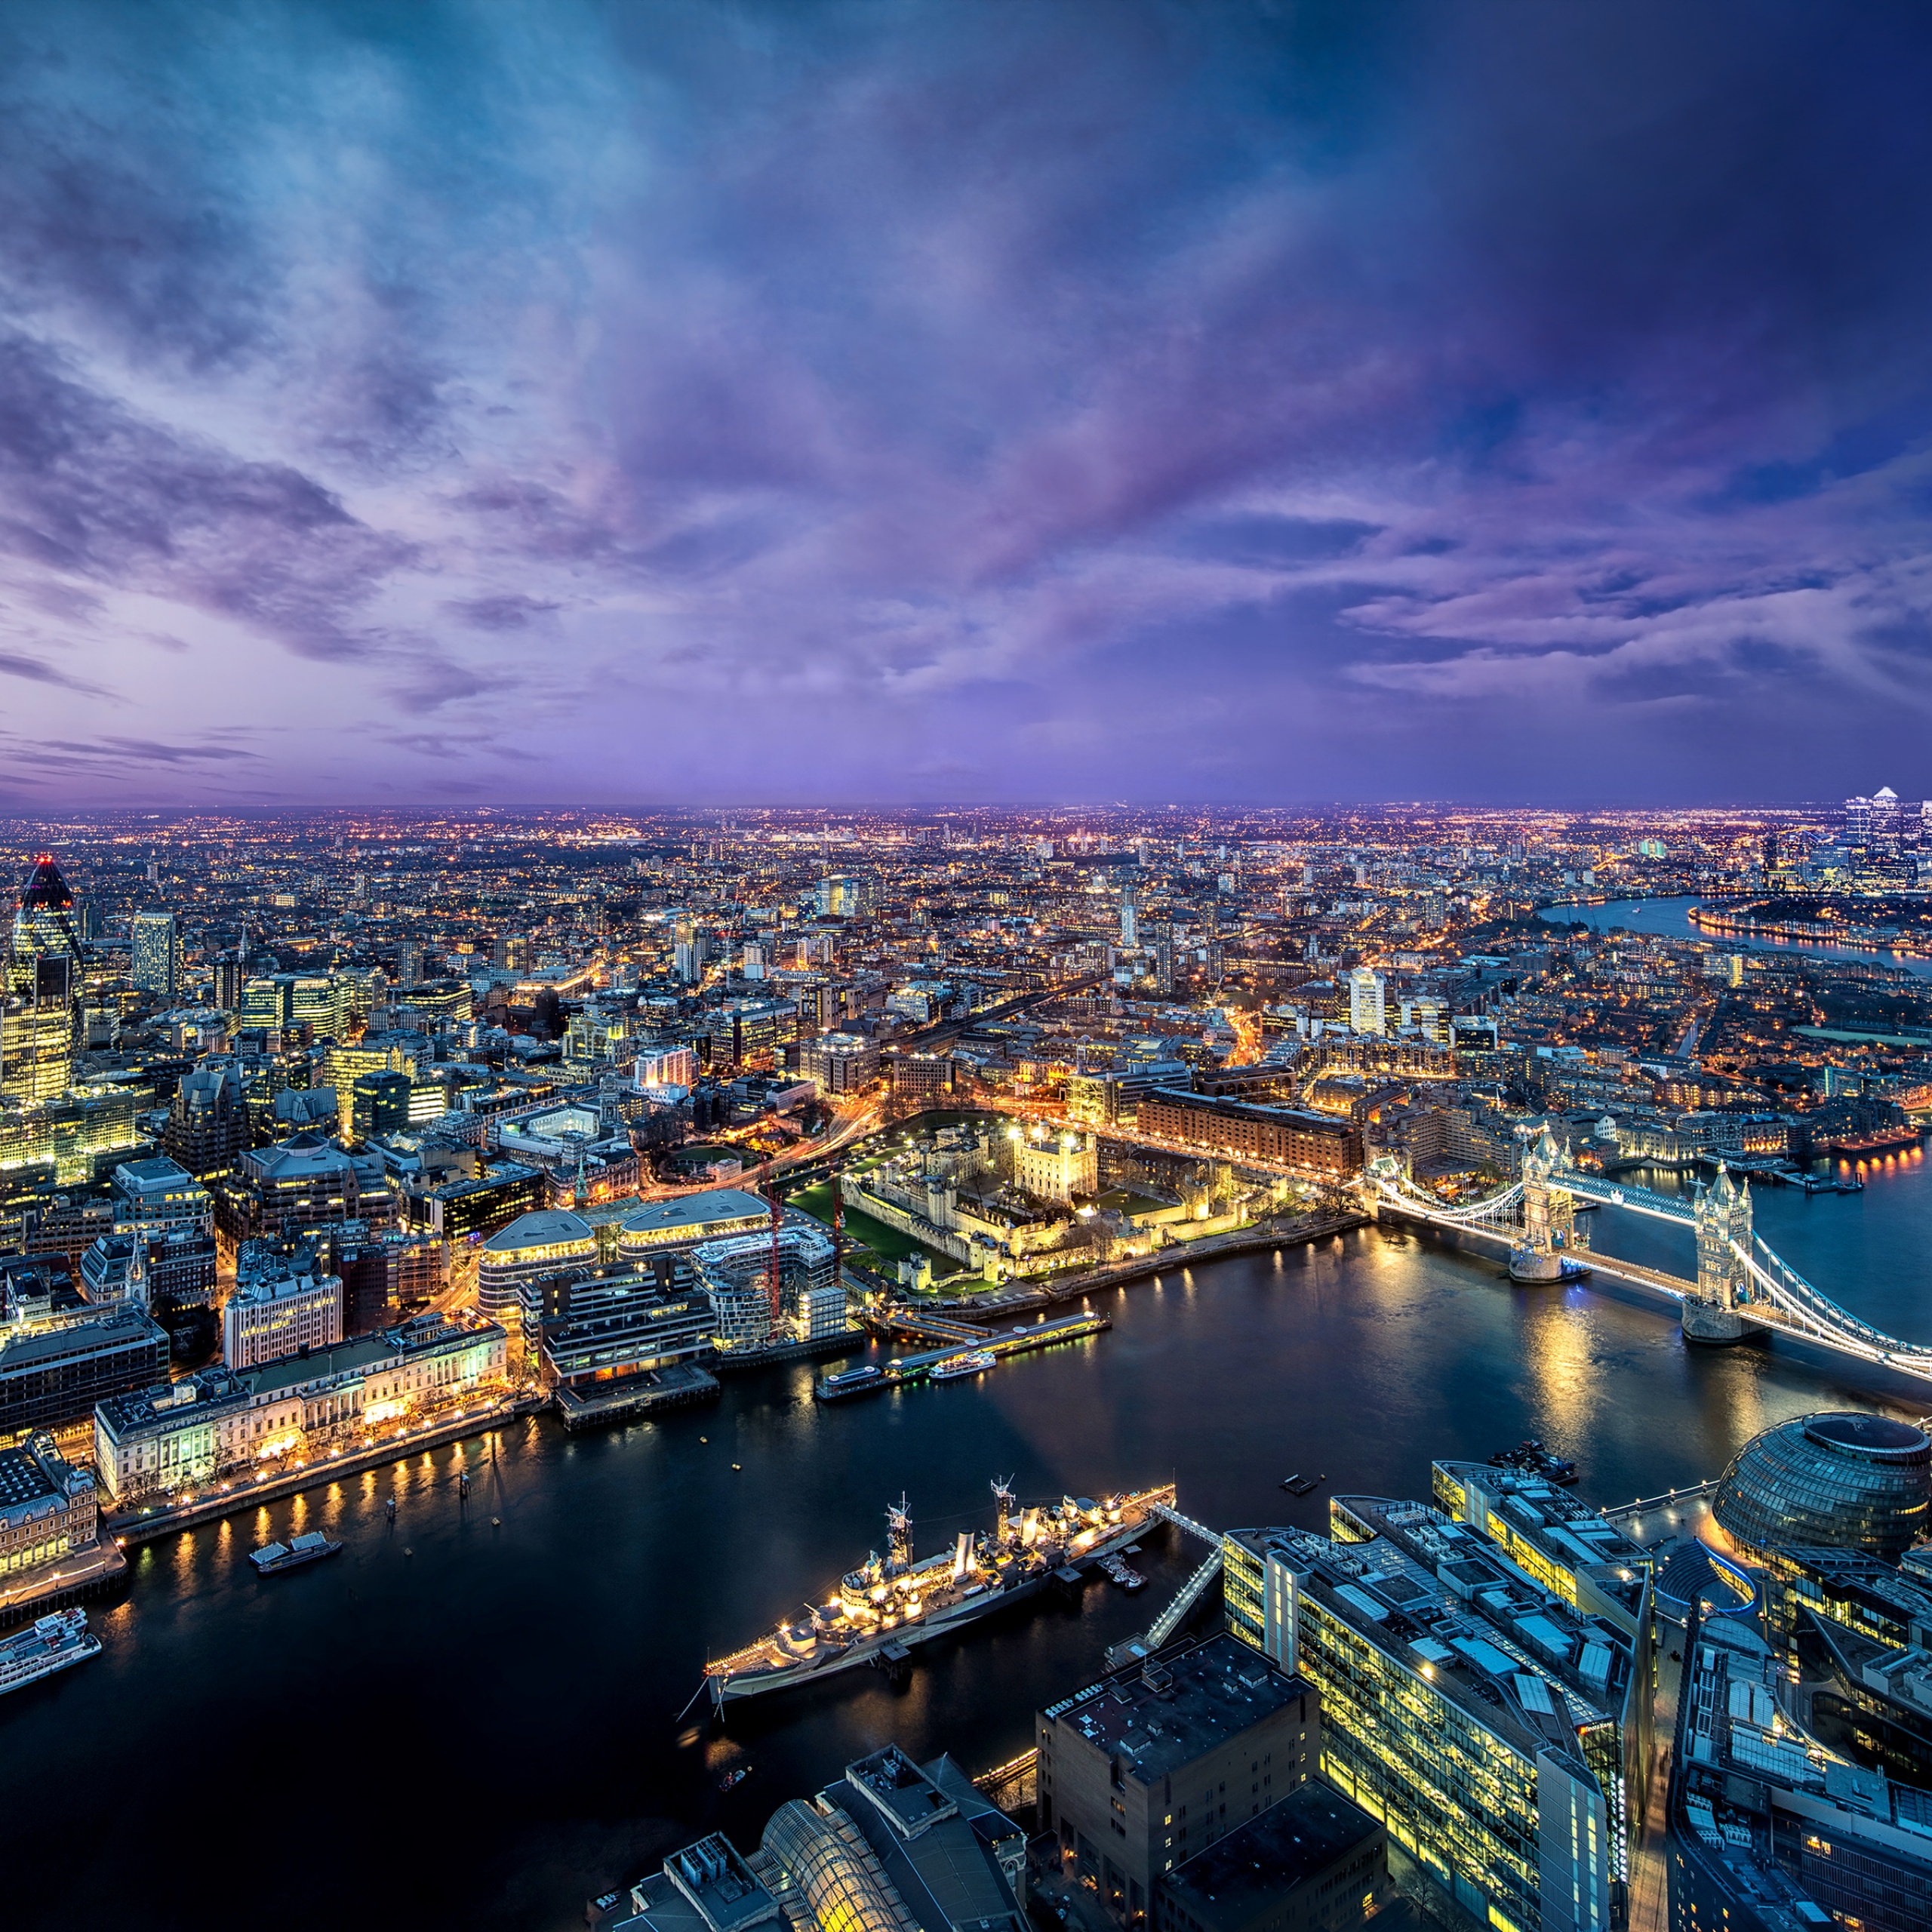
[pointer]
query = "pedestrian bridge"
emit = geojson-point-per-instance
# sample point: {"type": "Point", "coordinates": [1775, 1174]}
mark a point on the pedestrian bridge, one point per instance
{"type": "Point", "coordinates": [1742, 1281]}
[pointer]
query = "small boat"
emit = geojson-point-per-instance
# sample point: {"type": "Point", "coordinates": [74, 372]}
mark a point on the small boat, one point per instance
{"type": "Point", "coordinates": [1301, 1485]}
{"type": "Point", "coordinates": [311, 1548]}
{"type": "Point", "coordinates": [732, 1779]}
{"type": "Point", "coordinates": [974, 1361]}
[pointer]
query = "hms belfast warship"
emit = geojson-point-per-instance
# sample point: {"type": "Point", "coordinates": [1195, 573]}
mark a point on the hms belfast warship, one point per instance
{"type": "Point", "coordinates": [892, 1602]}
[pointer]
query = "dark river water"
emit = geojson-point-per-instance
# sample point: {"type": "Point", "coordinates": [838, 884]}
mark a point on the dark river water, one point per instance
{"type": "Point", "coordinates": [462, 1723]}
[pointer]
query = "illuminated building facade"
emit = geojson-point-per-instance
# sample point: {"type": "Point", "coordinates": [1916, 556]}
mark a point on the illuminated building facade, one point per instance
{"type": "Point", "coordinates": [38, 1007]}
{"type": "Point", "coordinates": [1058, 1168]}
{"type": "Point", "coordinates": [169, 1437]}
{"type": "Point", "coordinates": [280, 1312]}
{"type": "Point", "coordinates": [1320, 1144]}
{"type": "Point", "coordinates": [155, 940]}
{"type": "Point", "coordinates": [48, 1508]}
{"type": "Point", "coordinates": [1496, 1733]}
{"type": "Point", "coordinates": [549, 1242]}
{"type": "Point", "coordinates": [1852, 1481]}
{"type": "Point", "coordinates": [1367, 1001]}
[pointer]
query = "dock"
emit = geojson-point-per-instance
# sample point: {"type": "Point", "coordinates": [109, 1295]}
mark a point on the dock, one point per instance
{"type": "Point", "coordinates": [679, 1386]}
{"type": "Point", "coordinates": [903, 1370]}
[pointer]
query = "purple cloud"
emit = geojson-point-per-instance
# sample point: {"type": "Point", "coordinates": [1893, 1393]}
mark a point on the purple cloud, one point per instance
{"type": "Point", "coordinates": [1178, 401]}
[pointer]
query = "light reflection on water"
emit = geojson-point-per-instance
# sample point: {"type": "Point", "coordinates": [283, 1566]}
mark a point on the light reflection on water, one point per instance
{"type": "Point", "coordinates": [548, 1655]}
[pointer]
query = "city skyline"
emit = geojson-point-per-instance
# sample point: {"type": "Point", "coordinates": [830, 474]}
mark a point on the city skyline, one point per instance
{"type": "Point", "coordinates": [741, 405]}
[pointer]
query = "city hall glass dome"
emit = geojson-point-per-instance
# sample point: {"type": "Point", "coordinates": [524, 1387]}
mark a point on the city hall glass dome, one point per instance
{"type": "Point", "coordinates": [1848, 1481]}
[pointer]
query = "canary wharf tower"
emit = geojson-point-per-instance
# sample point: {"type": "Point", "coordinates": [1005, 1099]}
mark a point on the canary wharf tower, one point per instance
{"type": "Point", "coordinates": [37, 999]}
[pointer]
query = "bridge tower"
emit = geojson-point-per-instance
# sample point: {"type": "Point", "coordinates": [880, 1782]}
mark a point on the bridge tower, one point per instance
{"type": "Point", "coordinates": [1723, 1228]}
{"type": "Point", "coordinates": [1549, 1209]}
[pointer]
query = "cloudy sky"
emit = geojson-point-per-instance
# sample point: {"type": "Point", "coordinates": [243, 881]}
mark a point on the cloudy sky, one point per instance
{"type": "Point", "coordinates": [654, 402]}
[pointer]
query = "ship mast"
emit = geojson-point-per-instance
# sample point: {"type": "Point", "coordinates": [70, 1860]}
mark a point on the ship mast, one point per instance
{"type": "Point", "coordinates": [1003, 1497]}
{"type": "Point", "coordinates": [898, 1527]}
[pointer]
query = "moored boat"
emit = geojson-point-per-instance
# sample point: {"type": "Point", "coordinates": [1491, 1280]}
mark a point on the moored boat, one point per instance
{"type": "Point", "coordinates": [48, 1645]}
{"type": "Point", "coordinates": [973, 1361]}
{"type": "Point", "coordinates": [890, 1603]}
{"type": "Point", "coordinates": [310, 1548]}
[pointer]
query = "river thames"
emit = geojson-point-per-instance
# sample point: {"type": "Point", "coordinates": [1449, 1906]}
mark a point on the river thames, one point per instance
{"type": "Point", "coordinates": [472, 1723]}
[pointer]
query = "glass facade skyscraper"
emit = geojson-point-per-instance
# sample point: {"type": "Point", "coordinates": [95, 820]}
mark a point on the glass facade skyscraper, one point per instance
{"type": "Point", "coordinates": [37, 994]}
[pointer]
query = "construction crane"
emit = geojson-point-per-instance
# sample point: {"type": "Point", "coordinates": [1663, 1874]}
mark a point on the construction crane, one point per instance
{"type": "Point", "coordinates": [777, 1200]}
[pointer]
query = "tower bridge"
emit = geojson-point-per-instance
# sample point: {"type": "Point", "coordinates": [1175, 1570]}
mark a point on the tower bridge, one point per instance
{"type": "Point", "coordinates": [1742, 1282]}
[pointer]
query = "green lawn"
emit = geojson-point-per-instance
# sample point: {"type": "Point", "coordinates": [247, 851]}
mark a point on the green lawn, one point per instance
{"type": "Point", "coordinates": [880, 1246]}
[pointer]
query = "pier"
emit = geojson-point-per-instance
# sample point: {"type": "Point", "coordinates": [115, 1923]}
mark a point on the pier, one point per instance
{"type": "Point", "coordinates": [903, 1370]}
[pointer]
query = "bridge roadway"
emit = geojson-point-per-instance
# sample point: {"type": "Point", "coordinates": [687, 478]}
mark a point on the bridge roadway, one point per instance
{"type": "Point", "coordinates": [1786, 1300]}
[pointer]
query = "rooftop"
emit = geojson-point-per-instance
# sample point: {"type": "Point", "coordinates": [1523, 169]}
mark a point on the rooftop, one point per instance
{"type": "Point", "coordinates": [1157, 1721]}
{"type": "Point", "coordinates": [544, 1227]}
{"type": "Point", "coordinates": [694, 1210]}
{"type": "Point", "coordinates": [1293, 1839]}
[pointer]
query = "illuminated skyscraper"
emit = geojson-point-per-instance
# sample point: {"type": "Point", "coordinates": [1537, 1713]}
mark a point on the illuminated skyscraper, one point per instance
{"type": "Point", "coordinates": [37, 1005]}
{"type": "Point", "coordinates": [157, 951]}
{"type": "Point", "coordinates": [1368, 1004]}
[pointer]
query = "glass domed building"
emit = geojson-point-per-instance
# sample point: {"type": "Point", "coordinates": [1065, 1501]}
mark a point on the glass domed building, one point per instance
{"type": "Point", "coordinates": [1839, 1482]}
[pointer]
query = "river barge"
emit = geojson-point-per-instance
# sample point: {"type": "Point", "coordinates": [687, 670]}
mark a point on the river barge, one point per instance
{"type": "Point", "coordinates": [890, 1603]}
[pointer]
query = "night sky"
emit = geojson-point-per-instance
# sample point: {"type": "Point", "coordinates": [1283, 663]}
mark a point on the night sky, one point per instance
{"type": "Point", "coordinates": [417, 404]}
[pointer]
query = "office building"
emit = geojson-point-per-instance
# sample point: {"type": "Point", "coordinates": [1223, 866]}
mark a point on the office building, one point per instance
{"type": "Point", "coordinates": [38, 1009]}
{"type": "Point", "coordinates": [1854, 1634]}
{"type": "Point", "coordinates": [161, 1194]}
{"type": "Point", "coordinates": [1501, 1737]}
{"type": "Point", "coordinates": [839, 896]}
{"type": "Point", "coordinates": [380, 1104]}
{"type": "Point", "coordinates": [156, 940]}
{"type": "Point", "coordinates": [48, 1508]}
{"type": "Point", "coordinates": [839, 1062]}
{"type": "Point", "coordinates": [278, 1310]}
{"type": "Point", "coordinates": [302, 1182]}
{"type": "Point", "coordinates": [208, 1121]}
{"type": "Point", "coordinates": [1853, 1481]}
{"type": "Point", "coordinates": [550, 1241]}
{"type": "Point", "coordinates": [662, 1235]}
{"type": "Point", "coordinates": [1553, 1537]}
{"type": "Point", "coordinates": [594, 1330]}
{"type": "Point", "coordinates": [659, 1067]}
{"type": "Point", "coordinates": [152, 1444]}
{"type": "Point", "coordinates": [479, 1204]}
{"type": "Point", "coordinates": [744, 1029]}
{"type": "Point", "coordinates": [1768, 1834]}
{"type": "Point", "coordinates": [736, 1273]}
{"type": "Point", "coordinates": [55, 1367]}
{"type": "Point", "coordinates": [1141, 1770]}
{"type": "Point", "coordinates": [180, 1268]}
